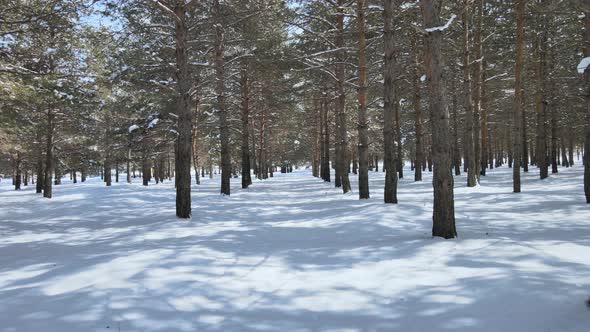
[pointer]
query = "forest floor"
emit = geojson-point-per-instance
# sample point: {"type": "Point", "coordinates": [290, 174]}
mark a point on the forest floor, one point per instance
{"type": "Point", "coordinates": [294, 254]}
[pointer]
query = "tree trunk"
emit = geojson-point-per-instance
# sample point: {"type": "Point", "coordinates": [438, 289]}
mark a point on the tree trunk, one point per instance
{"type": "Point", "coordinates": [554, 155]}
{"type": "Point", "coordinates": [195, 141]}
{"type": "Point", "coordinates": [128, 161]}
{"type": "Point", "coordinates": [326, 141]}
{"type": "Point", "coordinates": [245, 87]}
{"type": "Point", "coordinates": [18, 171]}
{"type": "Point", "coordinates": [182, 160]}
{"type": "Point", "coordinates": [417, 103]}
{"type": "Point", "coordinates": [469, 144]}
{"type": "Point", "coordinates": [517, 116]}
{"type": "Point", "coordinates": [363, 122]}
{"type": "Point", "coordinates": [47, 189]}
{"type": "Point", "coordinates": [444, 206]}
{"type": "Point", "coordinates": [221, 108]}
{"type": "Point", "coordinates": [390, 99]}
{"type": "Point", "coordinates": [341, 133]}
{"type": "Point", "coordinates": [480, 133]}
{"type": "Point", "coordinates": [541, 105]}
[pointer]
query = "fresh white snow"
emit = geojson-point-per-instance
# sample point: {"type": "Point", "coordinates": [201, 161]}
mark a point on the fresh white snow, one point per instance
{"type": "Point", "coordinates": [444, 27]}
{"type": "Point", "coordinates": [584, 63]}
{"type": "Point", "coordinates": [294, 254]}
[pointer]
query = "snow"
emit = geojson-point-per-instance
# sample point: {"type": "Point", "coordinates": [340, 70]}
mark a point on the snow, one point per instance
{"type": "Point", "coordinates": [584, 63]}
{"type": "Point", "coordinates": [294, 254]}
{"type": "Point", "coordinates": [133, 127]}
{"type": "Point", "coordinates": [153, 123]}
{"type": "Point", "coordinates": [409, 5]}
{"type": "Point", "coordinates": [444, 27]}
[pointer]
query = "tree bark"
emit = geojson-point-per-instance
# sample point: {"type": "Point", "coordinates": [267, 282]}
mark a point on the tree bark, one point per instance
{"type": "Point", "coordinates": [390, 99]}
{"type": "Point", "coordinates": [182, 160]}
{"type": "Point", "coordinates": [417, 103]}
{"type": "Point", "coordinates": [541, 105]}
{"type": "Point", "coordinates": [469, 144]}
{"type": "Point", "coordinates": [342, 133]}
{"type": "Point", "coordinates": [18, 171]}
{"type": "Point", "coordinates": [444, 206]}
{"type": "Point", "coordinates": [245, 114]}
{"type": "Point", "coordinates": [221, 107]}
{"type": "Point", "coordinates": [517, 116]}
{"type": "Point", "coordinates": [47, 189]}
{"type": "Point", "coordinates": [363, 123]}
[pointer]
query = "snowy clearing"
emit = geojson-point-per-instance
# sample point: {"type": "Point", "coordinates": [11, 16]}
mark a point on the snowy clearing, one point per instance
{"type": "Point", "coordinates": [294, 254]}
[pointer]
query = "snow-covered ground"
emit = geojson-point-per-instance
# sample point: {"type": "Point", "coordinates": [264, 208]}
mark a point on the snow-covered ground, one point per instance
{"type": "Point", "coordinates": [294, 254]}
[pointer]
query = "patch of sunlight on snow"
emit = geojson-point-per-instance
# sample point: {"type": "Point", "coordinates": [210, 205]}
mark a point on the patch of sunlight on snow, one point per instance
{"type": "Point", "coordinates": [211, 319]}
{"type": "Point", "coordinates": [27, 272]}
{"type": "Point", "coordinates": [194, 303]}
{"type": "Point", "coordinates": [112, 274]}
{"type": "Point", "coordinates": [449, 299]}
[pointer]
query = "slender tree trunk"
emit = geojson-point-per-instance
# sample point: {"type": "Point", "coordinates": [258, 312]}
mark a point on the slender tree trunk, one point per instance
{"type": "Point", "coordinates": [485, 130]}
{"type": "Point", "coordinates": [128, 160]}
{"type": "Point", "coordinates": [245, 87]}
{"type": "Point", "coordinates": [399, 160]}
{"type": "Point", "coordinates": [554, 155]}
{"type": "Point", "coordinates": [342, 133]}
{"type": "Point", "coordinates": [469, 145]}
{"type": "Point", "coordinates": [480, 133]}
{"type": "Point", "coordinates": [18, 171]}
{"type": "Point", "coordinates": [517, 116]}
{"type": "Point", "coordinates": [221, 108]}
{"type": "Point", "coordinates": [456, 151]}
{"type": "Point", "coordinates": [419, 154]}
{"type": "Point", "coordinates": [541, 106]}
{"type": "Point", "coordinates": [363, 122]}
{"type": "Point", "coordinates": [317, 141]}
{"type": "Point", "coordinates": [444, 206]}
{"type": "Point", "coordinates": [47, 189]}
{"type": "Point", "coordinates": [117, 170]}
{"type": "Point", "coordinates": [326, 142]}
{"type": "Point", "coordinates": [525, 149]}
{"type": "Point", "coordinates": [390, 99]}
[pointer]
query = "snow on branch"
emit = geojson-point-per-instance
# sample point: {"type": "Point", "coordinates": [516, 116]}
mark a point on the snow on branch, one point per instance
{"type": "Point", "coordinates": [444, 27]}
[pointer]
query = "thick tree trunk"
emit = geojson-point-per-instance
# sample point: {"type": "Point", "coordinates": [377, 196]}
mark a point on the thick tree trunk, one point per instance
{"type": "Point", "coordinates": [517, 116]}
{"type": "Point", "coordinates": [182, 157]}
{"type": "Point", "coordinates": [444, 206]}
{"type": "Point", "coordinates": [363, 122]}
{"type": "Point", "coordinates": [390, 99]}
